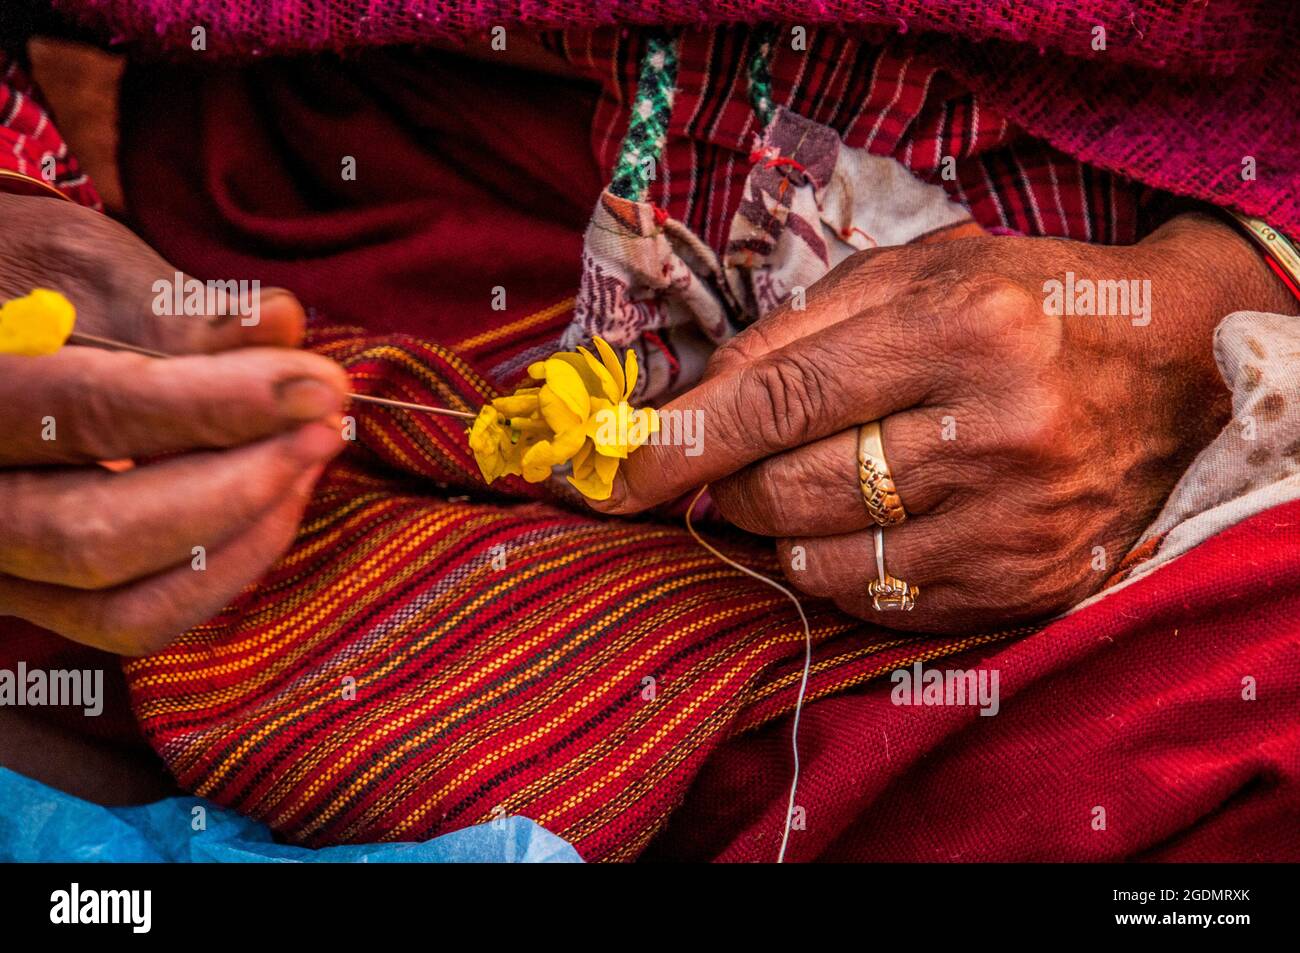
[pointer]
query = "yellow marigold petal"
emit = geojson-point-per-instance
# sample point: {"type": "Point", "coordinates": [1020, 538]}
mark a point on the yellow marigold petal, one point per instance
{"type": "Point", "coordinates": [609, 432]}
{"type": "Point", "coordinates": [606, 467]}
{"type": "Point", "coordinates": [564, 381]}
{"type": "Point", "coordinates": [531, 425]}
{"type": "Point", "coordinates": [601, 373]}
{"type": "Point", "coordinates": [592, 486]}
{"type": "Point", "coordinates": [522, 403]}
{"type": "Point", "coordinates": [556, 413]}
{"type": "Point", "coordinates": [581, 459]}
{"type": "Point", "coordinates": [566, 444]}
{"type": "Point", "coordinates": [631, 373]}
{"type": "Point", "coordinates": [591, 380]}
{"type": "Point", "coordinates": [641, 424]}
{"type": "Point", "coordinates": [537, 462]}
{"type": "Point", "coordinates": [612, 451]}
{"type": "Point", "coordinates": [613, 365]}
{"type": "Point", "coordinates": [485, 439]}
{"type": "Point", "coordinates": [480, 435]}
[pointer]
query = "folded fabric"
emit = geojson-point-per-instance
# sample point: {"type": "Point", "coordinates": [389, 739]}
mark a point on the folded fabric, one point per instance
{"type": "Point", "coordinates": [40, 824]}
{"type": "Point", "coordinates": [1254, 463]}
{"type": "Point", "coordinates": [1162, 723]}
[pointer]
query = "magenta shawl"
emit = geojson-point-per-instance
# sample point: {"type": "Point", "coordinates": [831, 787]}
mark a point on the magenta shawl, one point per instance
{"type": "Point", "coordinates": [1198, 99]}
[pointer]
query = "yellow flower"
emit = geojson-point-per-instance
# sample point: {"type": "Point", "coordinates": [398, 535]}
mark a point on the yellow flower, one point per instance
{"type": "Point", "coordinates": [575, 410]}
{"type": "Point", "coordinates": [36, 324]}
{"type": "Point", "coordinates": [493, 446]}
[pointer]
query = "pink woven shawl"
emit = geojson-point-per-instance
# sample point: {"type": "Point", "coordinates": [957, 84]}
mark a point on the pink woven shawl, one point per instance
{"type": "Point", "coordinates": [1188, 96]}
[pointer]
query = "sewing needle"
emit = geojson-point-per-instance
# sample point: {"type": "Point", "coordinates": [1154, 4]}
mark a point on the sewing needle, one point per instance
{"type": "Point", "coordinates": [91, 340]}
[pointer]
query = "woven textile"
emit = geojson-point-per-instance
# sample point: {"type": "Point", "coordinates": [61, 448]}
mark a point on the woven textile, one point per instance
{"type": "Point", "coordinates": [1171, 705]}
{"type": "Point", "coordinates": [1180, 95]}
{"type": "Point", "coordinates": [419, 663]}
{"type": "Point", "coordinates": [29, 142]}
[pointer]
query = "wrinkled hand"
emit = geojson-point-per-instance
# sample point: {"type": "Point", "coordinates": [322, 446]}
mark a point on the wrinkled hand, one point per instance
{"type": "Point", "coordinates": [109, 558]}
{"type": "Point", "coordinates": [1030, 450]}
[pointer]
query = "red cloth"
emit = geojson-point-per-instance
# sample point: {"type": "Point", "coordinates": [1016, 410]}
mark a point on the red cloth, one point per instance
{"type": "Point", "coordinates": [1134, 705]}
{"type": "Point", "coordinates": [1178, 96]}
{"type": "Point", "coordinates": [469, 176]}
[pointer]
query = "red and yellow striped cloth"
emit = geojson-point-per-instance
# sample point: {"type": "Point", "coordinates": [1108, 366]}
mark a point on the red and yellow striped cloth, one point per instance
{"type": "Point", "coordinates": [422, 661]}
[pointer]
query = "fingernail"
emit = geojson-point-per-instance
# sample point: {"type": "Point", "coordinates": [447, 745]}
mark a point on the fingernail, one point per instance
{"type": "Point", "coordinates": [316, 442]}
{"type": "Point", "coordinates": [267, 293]}
{"type": "Point", "coordinates": [617, 494]}
{"type": "Point", "coordinates": [306, 398]}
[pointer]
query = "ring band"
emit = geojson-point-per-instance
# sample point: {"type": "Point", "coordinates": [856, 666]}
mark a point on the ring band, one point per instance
{"type": "Point", "coordinates": [889, 593]}
{"type": "Point", "coordinates": [875, 480]}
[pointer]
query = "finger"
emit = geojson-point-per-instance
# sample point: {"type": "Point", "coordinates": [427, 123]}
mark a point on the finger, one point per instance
{"type": "Point", "coordinates": [271, 317]}
{"type": "Point", "coordinates": [145, 616]}
{"type": "Point", "coordinates": [91, 529]}
{"type": "Point", "coordinates": [123, 289]}
{"type": "Point", "coordinates": [813, 490]}
{"type": "Point", "coordinates": [840, 377]}
{"type": "Point", "coordinates": [83, 405]}
{"type": "Point", "coordinates": [865, 280]}
{"type": "Point", "coordinates": [972, 572]}
{"type": "Point", "coordinates": [841, 568]}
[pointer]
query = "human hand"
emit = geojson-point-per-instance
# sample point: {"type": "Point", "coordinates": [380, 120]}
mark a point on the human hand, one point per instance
{"type": "Point", "coordinates": [110, 558]}
{"type": "Point", "coordinates": [1030, 450]}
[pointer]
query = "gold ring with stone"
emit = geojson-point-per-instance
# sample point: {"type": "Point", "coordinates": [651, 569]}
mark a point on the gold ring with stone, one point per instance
{"type": "Point", "coordinates": [889, 593]}
{"type": "Point", "coordinates": [875, 480]}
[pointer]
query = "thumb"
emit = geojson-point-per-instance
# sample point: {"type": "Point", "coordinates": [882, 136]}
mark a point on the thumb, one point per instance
{"type": "Point", "coordinates": [190, 316]}
{"type": "Point", "coordinates": [125, 290]}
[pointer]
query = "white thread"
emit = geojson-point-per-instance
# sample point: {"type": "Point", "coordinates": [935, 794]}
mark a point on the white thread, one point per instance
{"type": "Point", "coordinates": [807, 662]}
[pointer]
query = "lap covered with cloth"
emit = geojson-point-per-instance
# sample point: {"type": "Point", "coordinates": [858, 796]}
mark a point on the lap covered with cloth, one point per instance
{"type": "Point", "coordinates": [432, 653]}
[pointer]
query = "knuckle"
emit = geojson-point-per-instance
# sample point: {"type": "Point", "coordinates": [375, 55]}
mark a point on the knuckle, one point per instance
{"type": "Point", "coordinates": [999, 318]}
{"type": "Point", "coordinates": [1037, 431]}
{"type": "Point", "coordinates": [789, 393]}
{"type": "Point", "coordinates": [728, 357]}
{"type": "Point", "coordinates": [751, 500]}
{"type": "Point", "coordinates": [805, 568]}
{"type": "Point", "coordinates": [81, 545]}
{"type": "Point", "coordinates": [997, 299]}
{"type": "Point", "coordinates": [745, 348]}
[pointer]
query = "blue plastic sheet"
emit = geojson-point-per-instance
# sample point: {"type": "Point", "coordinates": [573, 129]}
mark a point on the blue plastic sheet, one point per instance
{"type": "Point", "coordinates": [38, 823]}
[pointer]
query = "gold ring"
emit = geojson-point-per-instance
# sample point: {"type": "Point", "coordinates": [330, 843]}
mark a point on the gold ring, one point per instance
{"type": "Point", "coordinates": [878, 490]}
{"type": "Point", "coordinates": [889, 593]}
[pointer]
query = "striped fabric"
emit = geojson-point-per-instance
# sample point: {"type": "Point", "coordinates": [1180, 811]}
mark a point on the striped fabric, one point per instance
{"type": "Point", "coordinates": [30, 145]}
{"type": "Point", "coordinates": [883, 94]}
{"type": "Point", "coordinates": [423, 661]}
